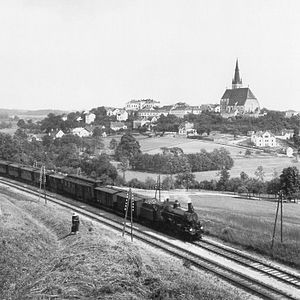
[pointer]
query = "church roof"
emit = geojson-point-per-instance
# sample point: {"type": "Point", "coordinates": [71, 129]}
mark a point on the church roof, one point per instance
{"type": "Point", "coordinates": [238, 96]}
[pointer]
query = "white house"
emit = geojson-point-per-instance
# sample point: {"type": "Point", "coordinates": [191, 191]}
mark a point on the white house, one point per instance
{"type": "Point", "coordinates": [59, 134]}
{"type": "Point", "coordinates": [289, 152]}
{"type": "Point", "coordinates": [187, 128]}
{"type": "Point", "coordinates": [264, 139]}
{"type": "Point", "coordinates": [116, 126]}
{"type": "Point", "coordinates": [89, 118]}
{"type": "Point", "coordinates": [122, 115]}
{"type": "Point", "coordinates": [81, 132]}
{"type": "Point", "coordinates": [140, 104]}
{"type": "Point", "coordinates": [290, 113]}
{"type": "Point", "coordinates": [286, 134]}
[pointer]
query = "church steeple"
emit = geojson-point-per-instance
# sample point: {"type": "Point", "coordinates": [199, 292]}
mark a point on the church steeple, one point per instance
{"type": "Point", "coordinates": [237, 81]}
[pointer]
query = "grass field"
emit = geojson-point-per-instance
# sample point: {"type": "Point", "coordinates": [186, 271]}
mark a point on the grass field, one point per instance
{"type": "Point", "coordinates": [270, 163]}
{"type": "Point", "coordinates": [39, 259]}
{"type": "Point", "coordinates": [153, 145]}
{"type": "Point", "coordinates": [245, 222]}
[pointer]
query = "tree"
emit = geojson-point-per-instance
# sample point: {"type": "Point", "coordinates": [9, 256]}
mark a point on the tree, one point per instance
{"type": "Point", "coordinates": [128, 147]}
{"type": "Point", "coordinates": [167, 183]}
{"type": "Point", "coordinates": [222, 184]}
{"type": "Point", "coordinates": [248, 152]}
{"type": "Point", "coordinates": [273, 186]}
{"type": "Point", "coordinates": [123, 166]}
{"type": "Point", "coordinates": [113, 144]}
{"type": "Point", "coordinates": [289, 182]}
{"type": "Point", "coordinates": [259, 173]}
{"type": "Point", "coordinates": [21, 123]}
{"type": "Point", "coordinates": [185, 178]}
{"type": "Point", "coordinates": [244, 177]}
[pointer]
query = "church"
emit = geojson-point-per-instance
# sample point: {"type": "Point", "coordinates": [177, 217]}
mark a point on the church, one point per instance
{"type": "Point", "coordinates": [238, 100]}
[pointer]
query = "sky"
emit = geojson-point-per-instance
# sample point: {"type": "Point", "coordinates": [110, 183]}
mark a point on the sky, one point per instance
{"type": "Point", "coordinates": [81, 54]}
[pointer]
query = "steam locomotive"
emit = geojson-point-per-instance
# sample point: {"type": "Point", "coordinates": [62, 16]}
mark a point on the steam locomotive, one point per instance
{"type": "Point", "coordinates": [166, 216]}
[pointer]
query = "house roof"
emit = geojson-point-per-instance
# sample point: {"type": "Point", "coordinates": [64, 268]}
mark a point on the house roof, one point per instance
{"type": "Point", "coordinates": [238, 96]}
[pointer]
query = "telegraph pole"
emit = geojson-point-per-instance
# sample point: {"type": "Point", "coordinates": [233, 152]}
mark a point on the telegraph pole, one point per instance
{"type": "Point", "coordinates": [44, 182]}
{"type": "Point", "coordinates": [279, 203]}
{"type": "Point", "coordinates": [126, 211]}
{"type": "Point", "coordinates": [131, 214]}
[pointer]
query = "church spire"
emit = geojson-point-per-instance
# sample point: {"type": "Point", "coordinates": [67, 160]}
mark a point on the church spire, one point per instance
{"type": "Point", "coordinates": [237, 81]}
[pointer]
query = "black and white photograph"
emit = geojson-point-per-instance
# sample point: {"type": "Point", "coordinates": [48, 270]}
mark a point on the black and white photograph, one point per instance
{"type": "Point", "coordinates": [149, 149]}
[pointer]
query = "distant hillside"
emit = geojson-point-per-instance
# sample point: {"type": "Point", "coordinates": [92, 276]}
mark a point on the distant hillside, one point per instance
{"type": "Point", "coordinates": [39, 112]}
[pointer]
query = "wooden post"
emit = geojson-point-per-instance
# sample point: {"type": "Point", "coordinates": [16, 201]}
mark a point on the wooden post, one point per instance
{"type": "Point", "coordinates": [281, 213]}
{"type": "Point", "coordinates": [131, 209]}
{"type": "Point", "coordinates": [41, 175]}
{"type": "Point", "coordinates": [126, 212]}
{"type": "Point", "coordinates": [275, 223]}
{"type": "Point", "coordinates": [44, 182]}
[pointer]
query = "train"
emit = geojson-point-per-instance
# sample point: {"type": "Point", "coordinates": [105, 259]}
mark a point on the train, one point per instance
{"type": "Point", "coordinates": [166, 216]}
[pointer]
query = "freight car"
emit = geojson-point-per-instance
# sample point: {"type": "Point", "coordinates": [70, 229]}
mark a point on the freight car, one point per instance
{"type": "Point", "coordinates": [167, 216]}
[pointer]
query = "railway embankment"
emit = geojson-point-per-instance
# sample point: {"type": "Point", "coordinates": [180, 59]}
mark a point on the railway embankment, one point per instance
{"type": "Point", "coordinates": [39, 259]}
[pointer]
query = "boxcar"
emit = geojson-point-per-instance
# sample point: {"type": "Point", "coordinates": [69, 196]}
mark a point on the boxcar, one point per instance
{"type": "Point", "coordinates": [80, 188]}
{"type": "Point", "coordinates": [55, 183]}
{"type": "Point", "coordinates": [13, 170]}
{"type": "Point", "coordinates": [27, 174]}
{"type": "Point", "coordinates": [121, 200]}
{"type": "Point", "coordinates": [3, 167]}
{"type": "Point", "coordinates": [106, 197]}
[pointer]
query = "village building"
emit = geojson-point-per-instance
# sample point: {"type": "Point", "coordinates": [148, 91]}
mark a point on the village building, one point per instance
{"type": "Point", "coordinates": [187, 129]}
{"type": "Point", "coordinates": [238, 100]}
{"type": "Point", "coordinates": [289, 152]}
{"type": "Point", "coordinates": [116, 126]}
{"type": "Point", "coordinates": [140, 123]}
{"type": "Point", "coordinates": [286, 134]}
{"type": "Point", "coordinates": [81, 132]}
{"type": "Point", "coordinates": [89, 118]}
{"type": "Point", "coordinates": [135, 105]}
{"type": "Point", "coordinates": [291, 113]}
{"type": "Point", "coordinates": [264, 139]}
{"type": "Point", "coordinates": [122, 115]}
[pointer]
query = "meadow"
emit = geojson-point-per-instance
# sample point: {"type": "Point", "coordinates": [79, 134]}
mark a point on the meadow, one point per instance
{"type": "Point", "coordinates": [271, 164]}
{"type": "Point", "coordinates": [250, 223]}
{"type": "Point", "coordinates": [245, 222]}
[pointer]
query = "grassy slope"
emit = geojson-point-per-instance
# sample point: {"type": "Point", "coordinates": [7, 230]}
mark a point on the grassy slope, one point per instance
{"type": "Point", "coordinates": [39, 259]}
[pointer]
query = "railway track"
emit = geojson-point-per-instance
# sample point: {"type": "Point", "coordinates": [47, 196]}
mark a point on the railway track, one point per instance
{"type": "Point", "coordinates": [252, 262]}
{"type": "Point", "coordinates": [239, 279]}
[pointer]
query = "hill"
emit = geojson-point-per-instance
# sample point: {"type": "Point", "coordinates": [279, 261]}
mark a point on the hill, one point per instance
{"type": "Point", "coordinates": [23, 112]}
{"type": "Point", "coordinates": [39, 259]}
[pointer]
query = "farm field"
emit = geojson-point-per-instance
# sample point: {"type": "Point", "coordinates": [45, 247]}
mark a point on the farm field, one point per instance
{"type": "Point", "coordinates": [249, 165]}
{"type": "Point", "coordinates": [153, 145]}
{"type": "Point", "coordinates": [245, 222]}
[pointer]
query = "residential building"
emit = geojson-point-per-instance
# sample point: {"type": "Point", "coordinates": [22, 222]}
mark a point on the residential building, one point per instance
{"type": "Point", "coordinates": [286, 134]}
{"type": "Point", "coordinates": [264, 139]}
{"type": "Point", "coordinates": [140, 123]}
{"type": "Point", "coordinates": [122, 115]}
{"type": "Point", "coordinates": [89, 117]}
{"type": "Point", "coordinates": [187, 129]}
{"type": "Point", "coordinates": [135, 105]}
{"type": "Point", "coordinates": [289, 152]}
{"type": "Point", "coordinates": [291, 113]}
{"type": "Point", "coordinates": [116, 126]}
{"type": "Point", "coordinates": [238, 100]}
{"type": "Point", "coordinates": [81, 132]}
